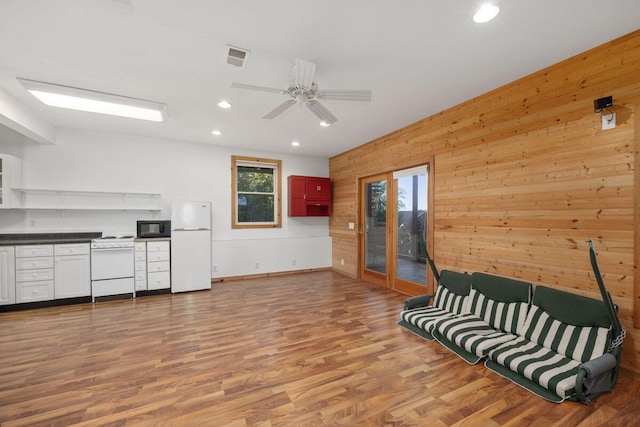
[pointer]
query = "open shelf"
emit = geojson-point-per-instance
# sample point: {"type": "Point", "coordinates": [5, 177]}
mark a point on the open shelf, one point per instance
{"type": "Point", "coordinates": [87, 200]}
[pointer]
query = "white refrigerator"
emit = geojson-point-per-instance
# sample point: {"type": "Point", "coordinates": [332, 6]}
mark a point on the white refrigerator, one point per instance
{"type": "Point", "coordinates": [190, 246]}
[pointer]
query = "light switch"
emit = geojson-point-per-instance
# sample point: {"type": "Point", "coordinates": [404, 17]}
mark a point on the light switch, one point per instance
{"type": "Point", "coordinates": [352, 226]}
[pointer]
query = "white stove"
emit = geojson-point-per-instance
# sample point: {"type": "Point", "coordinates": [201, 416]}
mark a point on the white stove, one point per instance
{"type": "Point", "coordinates": [112, 266]}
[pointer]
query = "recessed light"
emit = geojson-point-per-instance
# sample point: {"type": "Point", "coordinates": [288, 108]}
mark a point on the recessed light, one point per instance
{"type": "Point", "coordinates": [325, 124]}
{"type": "Point", "coordinates": [224, 104]}
{"type": "Point", "coordinates": [486, 13]}
{"type": "Point", "coordinates": [295, 144]}
{"type": "Point", "coordinates": [216, 132]}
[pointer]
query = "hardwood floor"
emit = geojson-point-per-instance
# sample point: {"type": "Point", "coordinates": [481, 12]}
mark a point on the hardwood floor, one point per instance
{"type": "Point", "coordinates": [314, 349]}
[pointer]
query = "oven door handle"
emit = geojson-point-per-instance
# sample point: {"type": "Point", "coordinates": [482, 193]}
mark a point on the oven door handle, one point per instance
{"type": "Point", "coordinates": [111, 249]}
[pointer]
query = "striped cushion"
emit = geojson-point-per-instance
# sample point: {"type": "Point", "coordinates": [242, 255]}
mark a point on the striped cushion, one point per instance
{"type": "Point", "coordinates": [539, 364]}
{"type": "Point", "coordinates": [508, 317]}
{"type": "Point", "coordinates": [471, 333]}
{"type": "Point", "coordinates": [446, 304]}
{"type": "Point", "coordinates": [424, 317]}
{"type": "Point", "coordinates": [578, 343]}
{"type": "Point", "coordinates": [447, 300]}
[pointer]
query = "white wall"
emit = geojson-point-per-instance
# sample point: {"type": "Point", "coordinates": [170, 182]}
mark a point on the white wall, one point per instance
{"type": "Point", "coordinates": [82, 160]}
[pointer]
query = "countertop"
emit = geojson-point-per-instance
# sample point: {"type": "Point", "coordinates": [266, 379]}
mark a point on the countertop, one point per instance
{"type": "Point", "coordinates": [46, 238]}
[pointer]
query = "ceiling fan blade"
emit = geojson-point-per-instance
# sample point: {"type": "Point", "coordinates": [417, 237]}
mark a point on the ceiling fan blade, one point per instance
{"type": "Point", "coordinates": [258, 88]}
{"type": "Point", "coordinates": [279, 109]}
{"type": "Point", "coordinates": [304, 72]}
{"type": "Point", "coordinates": [321, 112]}
{"type": "Point", "coordinates": [345, 95]}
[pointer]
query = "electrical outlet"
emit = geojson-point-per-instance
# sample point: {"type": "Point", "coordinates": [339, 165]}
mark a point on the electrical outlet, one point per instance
{"type": "Point", "coordinates": [214, 269]}
{"type": "Point", "coordinates": [257, 265]}
{"type": "Point", "coordinates": [293, 262]}
{"type": "Point", "coordinates": [342, 261]}
{"type": "Point", "coordinates": [608, 121]}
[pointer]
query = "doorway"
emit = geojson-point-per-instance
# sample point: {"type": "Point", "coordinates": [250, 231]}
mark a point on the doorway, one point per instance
{"type": "Point", "coordinates": [395, 230]}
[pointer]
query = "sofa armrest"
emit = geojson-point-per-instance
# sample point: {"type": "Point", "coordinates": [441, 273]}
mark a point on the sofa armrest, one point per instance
{"type": "Point", "coordinates": [595, 377]}
{"type": "Point", "coordinates": [419, 301]}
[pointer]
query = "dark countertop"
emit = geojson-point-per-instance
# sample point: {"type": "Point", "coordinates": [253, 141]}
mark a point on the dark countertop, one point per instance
{"type": "Point", "coordinates": [46, 238]}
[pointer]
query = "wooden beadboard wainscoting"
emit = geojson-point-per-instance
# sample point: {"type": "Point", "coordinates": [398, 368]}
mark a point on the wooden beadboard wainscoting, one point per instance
{"type": "Point", "coordinates": [523, 176]}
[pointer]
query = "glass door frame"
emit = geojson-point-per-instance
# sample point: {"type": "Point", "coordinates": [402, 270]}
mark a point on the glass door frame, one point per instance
{"type": "Point", "coordinates": [365, 273]}
{"type": "Point", "coordinates": [396, 283]}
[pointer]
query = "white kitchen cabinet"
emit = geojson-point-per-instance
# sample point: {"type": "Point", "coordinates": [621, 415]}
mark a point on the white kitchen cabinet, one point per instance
{"type": "Point", "coordinates": [153, 265]}
{"type": "Point", "coordinates": [141, 266]}
{"type": "Point", "coordinates": [72, 268]}
{"type": "Point", "coordinates": [7, 275]}
{"type": "Point", "coordinates": [33, 273]}
{"type": "Point", "coordinates": [10, 178]}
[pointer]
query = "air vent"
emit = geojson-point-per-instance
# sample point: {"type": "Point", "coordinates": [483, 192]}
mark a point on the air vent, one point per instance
{"type": "Point", "coordinates": [236, 56]}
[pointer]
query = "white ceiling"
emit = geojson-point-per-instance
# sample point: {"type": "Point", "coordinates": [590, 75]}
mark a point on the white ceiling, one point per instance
{"type": "Point", "coordinates": [418, 57]}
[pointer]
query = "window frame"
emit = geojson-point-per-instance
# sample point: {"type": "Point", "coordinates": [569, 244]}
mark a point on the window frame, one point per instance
{"type": "Point", "coordinates": [276, 165]}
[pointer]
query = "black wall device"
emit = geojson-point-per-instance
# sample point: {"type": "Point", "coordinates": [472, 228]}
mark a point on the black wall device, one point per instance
{"type": "Point", "coordinates": [600, 103]}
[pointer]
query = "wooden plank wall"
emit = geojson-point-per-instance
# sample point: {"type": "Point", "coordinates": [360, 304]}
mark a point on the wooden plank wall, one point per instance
{"type": "Point", "coordinates": [524, 175]}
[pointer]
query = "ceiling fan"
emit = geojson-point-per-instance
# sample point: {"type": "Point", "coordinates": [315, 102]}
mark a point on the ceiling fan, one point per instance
{"type": "Point", "coordinates": [303, 90]}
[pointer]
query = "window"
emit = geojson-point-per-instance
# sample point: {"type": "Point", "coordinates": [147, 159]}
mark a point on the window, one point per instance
{"type": "Point", "coordinates": [256, 184]}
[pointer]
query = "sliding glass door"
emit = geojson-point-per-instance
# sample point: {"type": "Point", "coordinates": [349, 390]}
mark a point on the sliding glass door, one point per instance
{"type": "Point", "coordinates": [394, 218]}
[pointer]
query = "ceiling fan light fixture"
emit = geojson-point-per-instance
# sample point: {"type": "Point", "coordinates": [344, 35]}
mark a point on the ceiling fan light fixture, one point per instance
{"type": "Point", "coordinates": [73, 98]}
{"type": "Point", "coordinates": [295, 144]}
{"type": "Point", "coordinates": [224, 105]}
{"type": "Point", "coordinates": [216, 132]}
{"type": "Point", "coordinates": [486, 13]}
{"type": "Point", "coordinates": [325, 124]}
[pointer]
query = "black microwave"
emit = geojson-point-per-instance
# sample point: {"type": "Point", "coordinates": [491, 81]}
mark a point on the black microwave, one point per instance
{"type": "Point", "coordinates": [150, 229]}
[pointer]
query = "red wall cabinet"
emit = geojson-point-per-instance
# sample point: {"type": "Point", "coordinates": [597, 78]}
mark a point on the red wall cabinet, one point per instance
{"type": "Point", "coordinates": [309, 196]}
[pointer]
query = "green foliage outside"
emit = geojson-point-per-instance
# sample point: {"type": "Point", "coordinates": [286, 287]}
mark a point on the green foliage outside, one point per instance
{"type": "Point", "coordinates": [256, 195]}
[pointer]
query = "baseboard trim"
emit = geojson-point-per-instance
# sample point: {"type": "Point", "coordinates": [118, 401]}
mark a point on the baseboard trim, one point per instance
{"type": "Point", "coordinates": [263, 275]}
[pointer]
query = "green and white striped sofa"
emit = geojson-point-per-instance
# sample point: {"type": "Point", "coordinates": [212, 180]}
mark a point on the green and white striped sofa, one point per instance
{"type": "Point", "coordinates": [556, 345]}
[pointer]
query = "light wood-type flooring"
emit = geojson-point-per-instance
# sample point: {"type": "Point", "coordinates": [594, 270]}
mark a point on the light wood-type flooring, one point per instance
{"type": "Point", "coordinates": [312, 349]}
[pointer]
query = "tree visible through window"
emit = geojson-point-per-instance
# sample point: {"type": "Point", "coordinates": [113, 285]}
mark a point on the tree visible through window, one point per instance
{"type": "Point", "coordinates": [256, 192]}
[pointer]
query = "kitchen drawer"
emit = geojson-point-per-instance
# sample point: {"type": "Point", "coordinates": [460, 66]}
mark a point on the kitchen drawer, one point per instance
{"type": "Point", "coordinates": [34, 250]}
{"type": "Point", "coordinates": [141, 266]}
{"type": "Point", "coordinates": [141, 285]}
{"type": "Point", "coordinates": [159, 280]}
{"type": "Point", "coordinates": [34, 275]}
{"type": "Point", "coordinates": [140, 247]}
{"type": "Point", "coordinates": [158, 256]}
{"type": "Point", "coordinates": [141, 256]}
{"type": "Point", "coordinates": [71, 249]}
{"type": "Point", "coordinates": [34, 291]}
{"type": "Point", "coordinates": [158, 266]}
{"type": "Point", "coordinates": [157, 246]}
{"type": "Point", "coordinates": [34, 262]}
{"type": "Point", "coordinates": [141, 275]}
